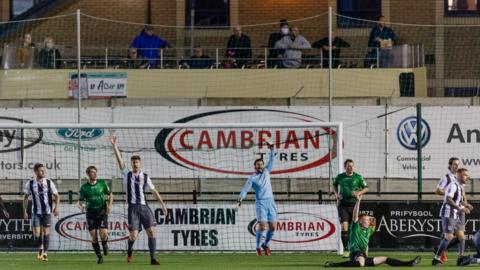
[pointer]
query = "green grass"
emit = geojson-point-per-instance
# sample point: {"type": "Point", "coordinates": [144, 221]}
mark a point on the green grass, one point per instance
{"type": "Point", "coordinates": [207, 261]}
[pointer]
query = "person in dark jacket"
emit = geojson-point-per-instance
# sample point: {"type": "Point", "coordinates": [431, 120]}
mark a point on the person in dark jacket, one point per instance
{"type": "Point", "coordinates": [274, 54]}
{"type": "Point", "coordinates": [198, 60]}
{"type": "Point", "coordinates": [381, 39]}
{"type": "Point", "coordinates": [149, 45]}
{"type": "Point", "coordinates": [49, 56]}
{"type": "Point", "coordinates": [337, 43]}
{"type": "Point", "coordinates": [238, 47]}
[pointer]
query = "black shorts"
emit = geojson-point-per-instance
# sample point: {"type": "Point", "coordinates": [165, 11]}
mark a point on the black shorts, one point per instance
{"type": "Point", "coordinates": [345, 213]}
{"type": "Point", "coordinates": [97, 221]}
{"type": "Point", "coordinates": [354, 256]}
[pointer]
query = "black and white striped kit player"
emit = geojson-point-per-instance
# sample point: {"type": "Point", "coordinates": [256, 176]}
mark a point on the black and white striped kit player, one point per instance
{"type": "Point", "coordinates": [446, 180]}
{"type": "Point", "coordinates": [454, 203]}
{"type": "Point", "coordinates": [135, 186]}
{"type": "Point", "coordinates": [136, 183]}
{"type": "Point", "coordinates": [455, 191]}
{"type": "Point", "coordinates": [43, 192]}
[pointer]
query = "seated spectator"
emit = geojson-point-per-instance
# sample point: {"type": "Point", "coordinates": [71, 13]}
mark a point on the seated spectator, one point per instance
{"type": "Point", "coordinates": [337, 43]}
{"type": "Point", "coordinates": [133, 61]}
{"type": "Point", "coordinates": [149, 45]}
{"type": "Point", "coordinates": [198, 60]}
{"type": "Point", "coordinates": [383, 38]}
{"type": "Point", "coordinates": [293, 46]}
{"type": "Point", "coordinates": [49, 56]}
{"type": "Point", "coordinates": [238, 47]}
{"type": "Point", "coordinates": [273, 53]}
{"type": "Point", "coordinates": [25, 52]}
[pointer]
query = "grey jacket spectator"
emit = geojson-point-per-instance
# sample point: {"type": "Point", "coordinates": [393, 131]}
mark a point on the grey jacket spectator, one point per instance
{"type": "Point", "coordinates": [293, 45]}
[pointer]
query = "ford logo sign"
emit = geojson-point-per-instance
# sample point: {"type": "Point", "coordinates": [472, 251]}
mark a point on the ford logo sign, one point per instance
{"type": "Point", "coordinates": [407, 133]}
{"type": "Point", "coordinates": [85, 134]}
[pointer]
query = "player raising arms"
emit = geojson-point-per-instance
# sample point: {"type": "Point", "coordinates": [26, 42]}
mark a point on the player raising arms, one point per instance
{"type": "Point", "coordinates": [94, 193]}
{"type": "Point", "coordinates": [361, 229]}
{"type": "Point", "coordinates": [348, 187]}
{"type": "Point", "coordinates": [42, 190]}
{"type": "Point", "coordinates": [265, 207]}
{"type": "Point", "coordinates": [136, 182]}
{"type": "Point", "coordinates": [454, 204]}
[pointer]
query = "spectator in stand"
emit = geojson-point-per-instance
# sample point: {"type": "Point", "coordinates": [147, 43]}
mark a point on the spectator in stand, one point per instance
{"type": "Point", "coordinates": [133, 61]}
{"type": "Point", "coordinates": [149, 45]}
{"type": "Point", "coordinates": [238, 47]}
{"type": "Point", "coordinates": [383, 38]}
{"type": "Point", "coordinates": [49, 56]}
{"type": "Point", "coordinates": [25, 52]}
{"type": "Point", "coordinates": [337, 43]}
{"type": "Point", "coordinates": [273, 53]}
{"type": "Point", "coordinates": [198, 60]}
{"type": "Point", "coordinates": [293, 45]}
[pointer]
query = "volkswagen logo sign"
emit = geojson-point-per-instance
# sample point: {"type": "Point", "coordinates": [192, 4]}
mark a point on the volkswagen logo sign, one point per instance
{"type": "Point", "coordinates": [407, 133]}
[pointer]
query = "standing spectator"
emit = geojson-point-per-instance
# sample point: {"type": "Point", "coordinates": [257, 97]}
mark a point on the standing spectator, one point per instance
{"type": "Point", "coordinates": [198, 60]}
{"type": "Point", "coordinates": [337, 43]}
{"type": "Point", "coordinates": [293, 46]}
{"type": "Point", "coordinates": [383, 38]}
{"type": "Point", "coordinates": [148, 45]}
{"type": "Point", "coordinates": [239, 47]}
{"type": "Point", "coordinates": [49, 56]}
{"type": "Point", "coordinates": [25, 52]}
{"type": "Point", "coordinates": [272, 40]}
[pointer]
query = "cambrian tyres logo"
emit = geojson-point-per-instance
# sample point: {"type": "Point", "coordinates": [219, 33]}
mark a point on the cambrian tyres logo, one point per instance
{"type": "Point", "coordinates": [407, 133]}
{"type": "Point", "coordinates": [75, 227]}
{"type": "Point", "coordinates": [298, 227]}
{"type": "Point", "coordinates": [213, 150]}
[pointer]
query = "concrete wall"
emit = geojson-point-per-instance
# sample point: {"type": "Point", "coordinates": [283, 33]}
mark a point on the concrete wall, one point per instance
{"type": "Point", "coordinates": [223, 83]}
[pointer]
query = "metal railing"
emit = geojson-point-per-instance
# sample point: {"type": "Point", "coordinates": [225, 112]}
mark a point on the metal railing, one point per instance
{"type": "Point", "coordinates": [404, 56]}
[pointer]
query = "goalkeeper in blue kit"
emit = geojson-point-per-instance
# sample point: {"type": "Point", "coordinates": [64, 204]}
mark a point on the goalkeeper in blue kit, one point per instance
{"type": "Point", "coordinates": [266, 210]}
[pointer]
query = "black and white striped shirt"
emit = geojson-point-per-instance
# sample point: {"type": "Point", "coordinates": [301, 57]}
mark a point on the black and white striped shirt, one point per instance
{"type": "Point", "coordinates": [41, 192]}
{"type": "Point", "coordinates": [135, 187]}
{"type": "Point", "coordinates": [446, 180]}
{"type": "Point", "coordinates": [455, 191]}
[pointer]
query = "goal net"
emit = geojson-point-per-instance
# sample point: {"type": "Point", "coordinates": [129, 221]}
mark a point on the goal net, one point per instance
{"type": "Point", "coordinates": [199, 168]}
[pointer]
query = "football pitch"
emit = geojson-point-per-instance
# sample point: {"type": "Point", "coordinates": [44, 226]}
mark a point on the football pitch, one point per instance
{"type": "Point", "coordinates": [207, 261]}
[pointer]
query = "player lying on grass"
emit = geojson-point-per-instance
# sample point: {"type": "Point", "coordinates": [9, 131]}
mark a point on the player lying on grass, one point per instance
{"type": "Point", "coordinates": [361, 229]}
{"type": "Point", "coordinates": [472, 259]}
{"type": "Point", "coordinates": [265, 207]}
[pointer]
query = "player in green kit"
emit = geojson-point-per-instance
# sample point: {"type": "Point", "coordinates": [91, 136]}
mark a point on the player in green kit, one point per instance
{"type": "Point", "coordinates": [348, 187]}
{"type": "Point", "coordinates": [361, 229]}
{"type": "Point", "coordinates": [94, 193]}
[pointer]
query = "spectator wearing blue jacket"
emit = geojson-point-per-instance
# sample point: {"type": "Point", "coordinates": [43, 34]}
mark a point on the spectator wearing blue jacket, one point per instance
{"type": "Point", "coordinates": [149, 45]}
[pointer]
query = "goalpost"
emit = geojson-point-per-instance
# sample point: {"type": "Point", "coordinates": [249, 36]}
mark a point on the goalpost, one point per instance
{"type": "Point", "coordinates": [199, 168]}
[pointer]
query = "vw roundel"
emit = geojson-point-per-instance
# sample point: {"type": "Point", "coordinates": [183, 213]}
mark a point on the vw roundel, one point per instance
{"type": "Point", "coordinates": [224, 151]}
{"type": "Point", "coordinates": [85, 134]}
{"type": "Point", "coordinates": [298, 227]}
{"type": "Point", "coordinates": [407, 133]}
